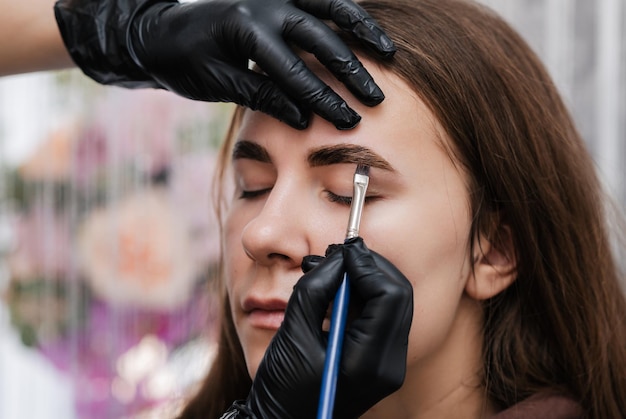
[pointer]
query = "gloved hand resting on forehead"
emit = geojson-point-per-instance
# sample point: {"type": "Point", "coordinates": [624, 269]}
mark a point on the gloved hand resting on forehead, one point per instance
{"type": "Point", "coordinates": [201, 50]}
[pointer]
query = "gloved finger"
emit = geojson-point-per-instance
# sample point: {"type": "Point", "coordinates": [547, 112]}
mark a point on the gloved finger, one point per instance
{"type": "Point", "coordinates": [263, 94]}
{"type": "Point", "coordinates": [310, 262]}
{"type": "Point", "coordinates": [351, 17]}
{"type": "Point", "coordinates": [332, 248]}
{"type": "Point", "coordinates": [312, 295]}
{"type": "Point", "coordinates": [280, 63]}
{"type": "Point", "coordinates": [257, 92]}
{"type": "Point", "coordinates": [314, 36]}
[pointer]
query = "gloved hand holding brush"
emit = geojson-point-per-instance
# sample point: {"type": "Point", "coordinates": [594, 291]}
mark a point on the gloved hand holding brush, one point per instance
{"type": "Point", "coordinates": [373, 365]}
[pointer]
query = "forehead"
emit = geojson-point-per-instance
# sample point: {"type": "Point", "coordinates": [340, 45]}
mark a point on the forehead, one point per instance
{"type": "Point", "coordinates": [400, 128]}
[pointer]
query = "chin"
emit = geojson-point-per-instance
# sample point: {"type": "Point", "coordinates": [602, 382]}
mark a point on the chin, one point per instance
{"type": "Point", "coordinates": [254, 354]}
{"type": "Point", "coordinates": [253, 361]}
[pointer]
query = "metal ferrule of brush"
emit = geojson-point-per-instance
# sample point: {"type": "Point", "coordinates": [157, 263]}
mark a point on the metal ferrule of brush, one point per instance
{"type": "Point", "coordinates": [358, 198]}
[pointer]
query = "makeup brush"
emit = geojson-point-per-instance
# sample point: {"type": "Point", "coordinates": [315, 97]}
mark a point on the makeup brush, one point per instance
{"type": "Point", "coordinates": [340, 305]}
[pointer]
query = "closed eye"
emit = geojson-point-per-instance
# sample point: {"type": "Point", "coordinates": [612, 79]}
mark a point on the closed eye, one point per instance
{"type": "Point", "coordinates": [254, 194]}
{"type": "Point", "coordinates": [345, 200]}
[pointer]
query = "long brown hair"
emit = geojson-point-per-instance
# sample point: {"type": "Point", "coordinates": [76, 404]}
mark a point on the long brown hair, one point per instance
{"type": "Point", "coordinates": [561, 326]}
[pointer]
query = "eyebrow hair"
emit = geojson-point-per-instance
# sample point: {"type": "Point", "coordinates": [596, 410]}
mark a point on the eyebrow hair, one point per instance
{"type": "Point", "coordinates": [347, 153]}
{"type": "Point", "coordinates": [245, 149]}
{"type": "Point", "coordinates": [321, 156]}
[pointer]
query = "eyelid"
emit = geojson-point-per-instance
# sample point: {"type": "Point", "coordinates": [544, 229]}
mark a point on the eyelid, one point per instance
{"type": "Point", "coordinates": [253, 178]}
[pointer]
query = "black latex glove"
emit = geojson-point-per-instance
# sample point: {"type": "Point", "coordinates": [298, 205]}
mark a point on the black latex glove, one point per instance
{"type": "Point", "coordinates": [373, 365]}
{"type": "Point", "coordinates": [200, 50]}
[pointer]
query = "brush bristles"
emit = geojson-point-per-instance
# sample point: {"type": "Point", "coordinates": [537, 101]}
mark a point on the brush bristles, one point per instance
{"type": "Point", "coordinates": [362, 169]}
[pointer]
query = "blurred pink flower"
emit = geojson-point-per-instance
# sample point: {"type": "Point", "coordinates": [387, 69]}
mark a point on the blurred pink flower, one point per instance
{"type": "Point", "coordinates": [138, 252]}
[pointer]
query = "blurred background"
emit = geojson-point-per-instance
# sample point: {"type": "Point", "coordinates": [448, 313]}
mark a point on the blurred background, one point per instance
{"type": "Point", "coordinates": [108, 247]}
{"type": "Point", "coordinates": [108, 244]}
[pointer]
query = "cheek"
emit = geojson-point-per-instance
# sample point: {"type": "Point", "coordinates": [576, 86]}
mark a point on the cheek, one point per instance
{"type": "Point", "coordinates": [234, 256]}
{"type": "Point", "coordinates": [236, 267]}
{"type": "Point", "coordinates": [428, 243]}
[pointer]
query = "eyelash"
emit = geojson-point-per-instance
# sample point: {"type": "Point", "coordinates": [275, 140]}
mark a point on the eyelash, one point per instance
{"type": "Point", "coordinates": [342, 200]}
{"type": "Point", "coordinates": [345, 200]}
{"type": "Point", "coordinates": [332, 197]}
{"type": "Point", "coordinates": [254, 194]}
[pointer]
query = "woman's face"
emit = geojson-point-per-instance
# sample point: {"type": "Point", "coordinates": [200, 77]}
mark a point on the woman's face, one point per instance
{"type": "Point", "coordinates": [289, 203]}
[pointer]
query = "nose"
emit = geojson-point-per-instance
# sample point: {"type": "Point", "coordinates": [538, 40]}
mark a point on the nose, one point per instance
{"type": "Point", "coordinates": [279, 233]}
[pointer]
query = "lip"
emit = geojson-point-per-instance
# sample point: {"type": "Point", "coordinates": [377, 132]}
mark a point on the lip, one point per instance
{"type": "Point", "coordinates": [265, 313]}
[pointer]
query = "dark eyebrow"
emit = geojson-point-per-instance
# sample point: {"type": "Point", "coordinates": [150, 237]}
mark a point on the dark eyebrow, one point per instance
{"type": "Point", "coordinates": [347, 153]}
{"type": "Point", "coordinates": [322, 156]}
{"type": "Point", "coordinates": [245, 149]}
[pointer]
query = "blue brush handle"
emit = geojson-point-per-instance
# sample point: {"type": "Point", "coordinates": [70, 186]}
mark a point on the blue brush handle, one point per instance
{"type": "Point", "coordinates": [333, 350]}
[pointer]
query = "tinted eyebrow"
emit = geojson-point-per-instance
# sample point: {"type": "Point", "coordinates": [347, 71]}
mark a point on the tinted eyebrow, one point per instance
{"type": "Point", "coordinates": [245, 149]}
{"type": "Point", "coordinates": [347, 153]}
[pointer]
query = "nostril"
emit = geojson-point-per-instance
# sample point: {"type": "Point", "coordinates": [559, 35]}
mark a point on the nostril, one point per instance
{"type": "Point", "coordinates": [278, 256]}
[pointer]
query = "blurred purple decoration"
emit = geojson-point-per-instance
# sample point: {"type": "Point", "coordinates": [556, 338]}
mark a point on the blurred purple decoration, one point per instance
{"type": "Point", "coordinates": [116, 247]}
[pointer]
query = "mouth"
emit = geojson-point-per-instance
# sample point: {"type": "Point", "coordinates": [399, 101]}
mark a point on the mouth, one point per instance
{"type": "Point", "coordinates": [265, 313]}
{"type": "Point", "coordinates": [269, 313]}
